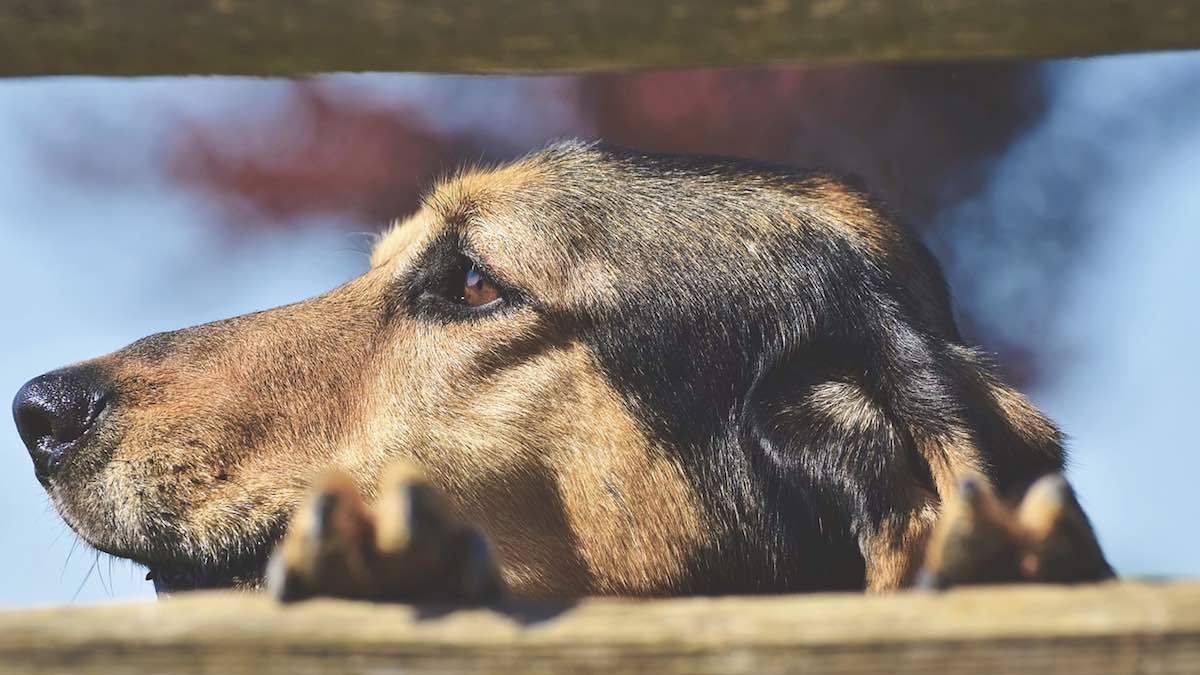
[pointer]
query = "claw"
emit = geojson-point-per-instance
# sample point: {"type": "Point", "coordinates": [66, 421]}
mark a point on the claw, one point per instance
{"type": "Point", "coordinates": [412, 512]}
{"type": "Point", "coordinates": [1044, 504]}
{"type": "Point", "coordinates": [971, 490]}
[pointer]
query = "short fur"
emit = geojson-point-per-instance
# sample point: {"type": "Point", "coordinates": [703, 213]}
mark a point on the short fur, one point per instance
{"type": "Point", "coordinates": [708, 376]}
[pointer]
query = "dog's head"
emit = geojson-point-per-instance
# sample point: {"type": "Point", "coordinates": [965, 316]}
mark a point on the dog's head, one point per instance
{"type": "Point", "coordinates": [556, 343]}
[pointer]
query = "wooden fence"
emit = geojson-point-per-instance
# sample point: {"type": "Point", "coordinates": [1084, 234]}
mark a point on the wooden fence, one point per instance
{"type": "Point", "coordinates": [1116, 627]}
{"type": "Point", "coordinates": [289, 37]}
{"type": "Point", "coordinates": [1119, 627]}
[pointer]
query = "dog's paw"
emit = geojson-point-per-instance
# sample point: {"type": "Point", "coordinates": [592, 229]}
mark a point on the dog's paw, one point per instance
{"type": "Point", "coordinates": [976, 540]}
{"type": "Point", "coordinates": [982, 539]}
{"type": "Point", "coordinates": [1061, 546]}
{"type": "Point", "coordinates": [409, 548]}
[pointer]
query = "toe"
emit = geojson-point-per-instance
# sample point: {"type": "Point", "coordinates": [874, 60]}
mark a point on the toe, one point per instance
{"type": "Point", "coordinates": [1062, 544]}
{"type": "Point", "coordinates": [329, 545]}
{"type": "Point", "coordinates": [974, 542]}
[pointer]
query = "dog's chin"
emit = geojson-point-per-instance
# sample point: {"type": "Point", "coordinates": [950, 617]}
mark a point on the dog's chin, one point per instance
{"type": "Point", "coordinates": [173, 574]}
{"type": "Point", "coordinates": [244, 570]}
{"type": "Point", "coordinates": [175, 577]}
{"type": "Point", "coordinates": [174, 571]}
{"type": "Point", "coordinates": [176, 562]}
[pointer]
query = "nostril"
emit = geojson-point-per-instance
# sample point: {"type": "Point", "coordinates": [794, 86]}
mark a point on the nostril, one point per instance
{"type": "Point", "coordinates": [34, 424]}
{"type": "Point", "coordinates": [55, 410]}
{"type": "Point", "coordinates": [36, 427]}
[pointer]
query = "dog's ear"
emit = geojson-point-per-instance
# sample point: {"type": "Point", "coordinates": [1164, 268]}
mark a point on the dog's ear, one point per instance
{"type": "Point", "coordinates": [877, 448]}
{"type": "Point", "coordinates": [862, 405]}
{"type": "Point", "coordinates": [820, 430]}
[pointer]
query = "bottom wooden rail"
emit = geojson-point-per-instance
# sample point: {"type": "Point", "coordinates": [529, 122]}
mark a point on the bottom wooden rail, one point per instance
{"type": "Point", "coordinates": [1117, 627]}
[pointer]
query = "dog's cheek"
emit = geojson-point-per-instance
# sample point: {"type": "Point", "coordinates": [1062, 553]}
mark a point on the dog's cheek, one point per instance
{"type": "Point", "coordinates": [544, 457]}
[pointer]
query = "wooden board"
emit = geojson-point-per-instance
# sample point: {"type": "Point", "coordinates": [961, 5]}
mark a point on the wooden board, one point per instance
{"type": "Point", "coordinates": [290, 37]}
{"type": "Point", "coordinates": [1117, 627]}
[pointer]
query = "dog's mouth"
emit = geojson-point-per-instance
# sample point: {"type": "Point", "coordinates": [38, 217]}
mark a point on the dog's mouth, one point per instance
{"type": "Point", "coordinates": [173, 571]}
{"type": "Point", "coordinates": [177, 560]}
{"type": "Point", "coordinates": [176, 553]}
{"type": "Point", "coordinates": [245, 574]}
{"type": "Point", "coordinates": [244, 571]}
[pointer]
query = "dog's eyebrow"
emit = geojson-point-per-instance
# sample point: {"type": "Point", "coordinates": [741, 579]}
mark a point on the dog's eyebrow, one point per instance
{"type": "Point", "coordinates": [400, 235]}
{"type": "Point", "coordinates": [477, 205]}
{"type": "Point", "coordinates": [493, 248]}
{"type": "Point", "coordinates": [473, 244]}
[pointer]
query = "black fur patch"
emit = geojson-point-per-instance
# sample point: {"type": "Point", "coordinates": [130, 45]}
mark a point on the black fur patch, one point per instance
{"type": "Point", "coordinates": [745, 301]}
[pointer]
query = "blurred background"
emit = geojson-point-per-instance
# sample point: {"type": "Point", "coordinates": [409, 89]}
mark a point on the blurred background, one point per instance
{"type": "Point", "coordinates": [1062, 197]}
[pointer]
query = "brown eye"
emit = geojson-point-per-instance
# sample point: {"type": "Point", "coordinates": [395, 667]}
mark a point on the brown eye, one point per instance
{"type": "Point", "coordinates": [477, 289]}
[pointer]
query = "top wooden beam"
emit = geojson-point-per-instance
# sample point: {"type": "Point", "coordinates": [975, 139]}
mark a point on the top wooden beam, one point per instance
{"type": "Point", "coordinates": [296, 37]}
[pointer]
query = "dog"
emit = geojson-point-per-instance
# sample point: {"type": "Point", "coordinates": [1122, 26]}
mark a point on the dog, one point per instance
{"type": "Point", "coordinates": [590, 371]}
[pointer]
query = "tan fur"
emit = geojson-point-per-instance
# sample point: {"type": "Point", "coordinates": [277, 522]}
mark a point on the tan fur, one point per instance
{"type": "Point", "coordinates": [1026, 419]}
{"type": "Point", "coordinates": [843, 403]}
{"type": "Point", "coordinates": [950, 457]}
{"type": "Point", "coordinates": [219, 430]}
{"type": "Point", "coordinates": [894, 554]}
{"type": "Point", "coordinates": [842, 211]}
{"type": "Point", "coordinates": [578, 503]}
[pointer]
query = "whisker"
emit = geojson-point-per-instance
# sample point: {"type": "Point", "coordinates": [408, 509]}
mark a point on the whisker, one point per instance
{"type": "Point", "coordinates": [100, 575]}
{"type": "Point", "coordinates": [67, 562]}
{"type": "Point", "coordinates": [85, 580]}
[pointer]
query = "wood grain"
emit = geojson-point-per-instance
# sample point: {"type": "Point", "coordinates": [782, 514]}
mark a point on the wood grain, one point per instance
{"type": "Point", "coordinates": [1117, 627]}
{"type": "Point", "coordinates": [294, 37]}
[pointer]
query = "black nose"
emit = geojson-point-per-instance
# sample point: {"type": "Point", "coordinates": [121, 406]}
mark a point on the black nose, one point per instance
{"type": "Point", "coordinates": [55, 410]}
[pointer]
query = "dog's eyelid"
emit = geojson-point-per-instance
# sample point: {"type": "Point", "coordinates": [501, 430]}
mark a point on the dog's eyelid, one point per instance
{"type": "Point", "coordinates": [468, 252]}
{"type": "Point", "coordinates": [473, 258]}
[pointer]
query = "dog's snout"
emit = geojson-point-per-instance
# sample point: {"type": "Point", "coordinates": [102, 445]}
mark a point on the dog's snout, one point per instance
{"type": "Point", "coordinates": [55, 410]}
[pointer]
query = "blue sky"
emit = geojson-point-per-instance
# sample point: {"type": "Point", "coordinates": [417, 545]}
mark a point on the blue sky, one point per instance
{"type": "Point", "coordinates": [91, 268]}
{"type": "Point", "coordinates": [1117, 152]}
{"type": "Point", "coordinates": [88, 268]}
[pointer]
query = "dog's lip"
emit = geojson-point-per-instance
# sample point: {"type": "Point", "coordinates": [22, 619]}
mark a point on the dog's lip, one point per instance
{"type": "Point", "coordinates": [170, 580]}
{"type": "Point", "coordinates": [171, 574]}
{"type": "Point", "coordinates": [174, 578]}
{"type": "Point", "coordinates": [172, 571]}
